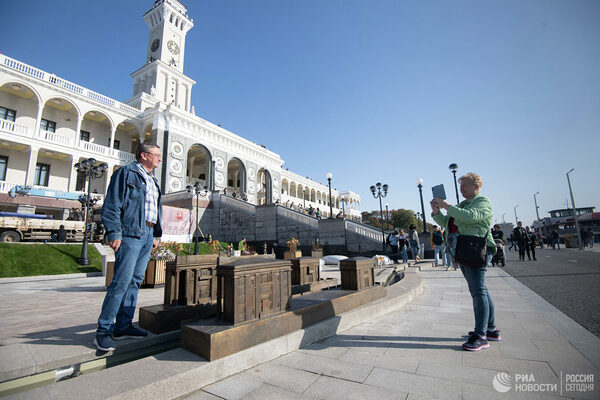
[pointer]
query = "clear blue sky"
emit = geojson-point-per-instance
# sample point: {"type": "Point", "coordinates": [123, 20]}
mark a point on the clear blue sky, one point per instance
{"type": "Point", "coordinates": [372, 91]}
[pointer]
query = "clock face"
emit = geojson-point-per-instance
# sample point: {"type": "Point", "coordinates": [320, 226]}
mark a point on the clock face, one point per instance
{"type": "Point", "coordinates": [155, 45]}
{"type": "Point", "coordinates": [172, 46]}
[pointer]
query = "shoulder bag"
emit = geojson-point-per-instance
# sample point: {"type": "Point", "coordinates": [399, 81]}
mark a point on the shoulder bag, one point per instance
{"type": "Point", "coordinates": [471, 251]}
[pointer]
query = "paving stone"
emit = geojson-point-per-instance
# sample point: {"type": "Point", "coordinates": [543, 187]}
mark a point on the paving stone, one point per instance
{"type": "Point", "coordinates": [292, 379]}
{"type": "Point", "coordinates": [236, 387]}
{"type": "Point", "coordinates": [325, 366]}
{"type": "Point", "coordinates": [202, 395]}
{"type": "Point", "coordinates": [388, 361]}
{"type": "Point", "coordinates": [338, 389]}
{"type": "Point", "coordinates": [423, 385]}
{"type": "Point", "coordinates": [270, 392]}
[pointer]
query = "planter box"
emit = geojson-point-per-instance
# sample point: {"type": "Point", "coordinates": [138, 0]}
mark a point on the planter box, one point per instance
{"type": "Point", "coordinates": [289, 255]}
{"type": "Point", "coordinates": [191, 280]}
{"type": "Point", "coordinates": [305, 270]}
{"type": "Point", "coordinates": [252, 288]}
{"type": "Point", "coordinates": [357, 273]}
{"type": "Point", "coordinates": [155, 273]}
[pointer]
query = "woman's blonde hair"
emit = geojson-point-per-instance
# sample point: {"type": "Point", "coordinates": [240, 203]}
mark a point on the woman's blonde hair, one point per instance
{"type": "Point", "coordinates": [473, 178]}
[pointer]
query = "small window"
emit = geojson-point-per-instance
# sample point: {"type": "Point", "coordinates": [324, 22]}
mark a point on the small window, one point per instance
{"type": "Point", "coordinates": [84, 136]}
{"type": "Point", "coordinates": [3, 167]}
{"type": "Point", "coordinates": [42, 174]}
{"type": "Point", "coordinates": [117, 144]}
{"type": "Point", "coordinates": [80, 183]}
{"type": "Point", "coordinates": [8, 114]}
{"type": "Point", "coordinates": [49, 126]}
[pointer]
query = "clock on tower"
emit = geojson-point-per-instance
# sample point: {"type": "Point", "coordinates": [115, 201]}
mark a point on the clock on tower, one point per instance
{"type": "Point", "coordinates": [162, 77]}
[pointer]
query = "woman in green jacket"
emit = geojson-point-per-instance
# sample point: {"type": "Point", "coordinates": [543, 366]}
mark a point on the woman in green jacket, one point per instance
{"type": "Point", "coordinates": [471, 217]}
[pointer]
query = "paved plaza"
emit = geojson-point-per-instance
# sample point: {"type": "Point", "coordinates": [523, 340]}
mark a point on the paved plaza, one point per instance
{"type": "Point", "coordinates": [411, 353]}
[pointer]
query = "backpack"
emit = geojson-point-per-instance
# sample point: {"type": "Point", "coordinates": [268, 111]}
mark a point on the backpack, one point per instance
{"type": "Point", "coordinates": [387, 239]}
{"type": "Point", "coordinates": [437, 238]}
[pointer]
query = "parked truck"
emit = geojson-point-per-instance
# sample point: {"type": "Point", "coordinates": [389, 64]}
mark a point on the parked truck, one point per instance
{"type": "Point", "coordinates": [15, 227]}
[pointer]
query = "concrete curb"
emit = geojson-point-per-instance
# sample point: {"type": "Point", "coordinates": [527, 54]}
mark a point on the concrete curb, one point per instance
{"type": "Point", "coordinates": [178, 372]}
{"type": "Point", "coordinates": [49, 277]}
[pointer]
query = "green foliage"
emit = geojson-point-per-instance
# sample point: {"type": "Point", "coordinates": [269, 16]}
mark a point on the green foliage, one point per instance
{"type": "Point", "coordinates": [24, 259]}
{"type": "Point", "coordinates": [400, 218]}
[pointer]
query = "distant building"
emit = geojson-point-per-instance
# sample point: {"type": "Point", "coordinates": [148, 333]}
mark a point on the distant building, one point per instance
{"type": "Point", "coordinates": [48, 124]}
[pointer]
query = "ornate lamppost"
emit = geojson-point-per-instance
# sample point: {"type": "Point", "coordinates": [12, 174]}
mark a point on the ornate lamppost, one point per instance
{"type": "Point", "coordinates": [516, 218]}
{"type": "Point", "coordinates": [379, 191]}
{"type": "Point", "coordinates": [329, 176]}
{"type": "Point", "coordinates": [91, 171]}
{"type": "Point", "coordinates": [537, 213]}
{"type": "Point", "coordinates": [196, 190]}
{"type": "Point", "coordinates": [453, 167]}
{"type": "Point", "coordinates": [420, 186]}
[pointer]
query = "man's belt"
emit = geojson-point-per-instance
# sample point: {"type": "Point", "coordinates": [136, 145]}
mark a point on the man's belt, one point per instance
{"type": "Point", "coordinates": [150, 224]}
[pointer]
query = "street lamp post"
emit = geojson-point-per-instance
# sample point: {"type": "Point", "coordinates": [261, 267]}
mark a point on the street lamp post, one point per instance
{"type": "Point", "coordinates": [418, 218]}
{"type": "Point", "coordinates": [537, 213]}
{"type": "Point", "coordinates": [453, 167]}
{"type": "Point", "coordinates": [387, 215]}
{"type": "Point", "coordinates": [196, 190]}
{"type": "Point", "coordinates": [304, 198]}
{"type": "Point", "coordinates": [379, 191]}
{"type": "Point", "coordinates": [516, 218]}
{"type": "Point", "coordinates": [420, 186]}
{"type": "Point", "coordinates": [329, 176]}
{"type": "Point", "coordinates": [503, 214]}
{"type": "Point", "coordinates": [574, 211]}
{"type": "Point", "coordinates": [91, 171]}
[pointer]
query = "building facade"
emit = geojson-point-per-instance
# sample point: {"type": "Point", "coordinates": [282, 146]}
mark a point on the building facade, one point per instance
{"type": "Point", "coordinates": [48, 124]}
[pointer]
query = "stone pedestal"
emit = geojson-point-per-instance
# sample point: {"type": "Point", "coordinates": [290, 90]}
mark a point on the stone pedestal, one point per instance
{"type": "Point", "coordinates": [290, 255]}
{"type": "Point", "coordinates": [317, 253]}
{"type": "Point", "coordinates": [252, 288]}
{"type": "Point", "coordinates": [357, 273]}
{"type": "Point", "coordinates": [305, 270]}
{"type": "Point", "coordinates": [155, 273]}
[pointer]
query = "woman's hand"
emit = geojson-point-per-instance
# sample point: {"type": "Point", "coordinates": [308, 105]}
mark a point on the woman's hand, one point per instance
{"type": "Point", "coordinates": [434, 207]}
{"type": "Point", "coordinates": [441, 203]}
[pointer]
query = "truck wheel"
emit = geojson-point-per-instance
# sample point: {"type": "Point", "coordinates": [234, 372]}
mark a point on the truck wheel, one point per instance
{"type": "Point", "coordinates": [9, 237]}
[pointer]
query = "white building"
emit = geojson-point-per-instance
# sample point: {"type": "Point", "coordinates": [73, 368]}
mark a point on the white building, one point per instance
{"type": "Point", "coordinates": [48, 124]}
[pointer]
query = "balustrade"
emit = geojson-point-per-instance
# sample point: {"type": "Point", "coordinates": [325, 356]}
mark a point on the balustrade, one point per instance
{"type": "Point", "coordinates": [53, 137]}
{"type": "Point", "coordinates": [11, 127]}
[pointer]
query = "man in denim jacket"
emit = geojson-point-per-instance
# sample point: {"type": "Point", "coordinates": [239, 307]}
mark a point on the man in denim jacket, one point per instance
{"type": "Point", "coordinates": [131, 216]}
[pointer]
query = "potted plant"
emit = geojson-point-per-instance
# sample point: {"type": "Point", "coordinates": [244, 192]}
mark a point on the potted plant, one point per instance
{"type": "Point", "coordinates": [293, 251]}
{"type": "Point", "coordinates": [215, 246]}
{"type": "Point", "coordinates": [157, 265]}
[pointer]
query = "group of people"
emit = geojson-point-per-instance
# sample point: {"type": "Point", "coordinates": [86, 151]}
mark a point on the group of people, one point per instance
{"type": "Point", "coordinates": [587, 237]}
{"type": "Point", "coordinates": [525, 240]}
{"type": "Point", "coordinates": [310, 211]}
{"type": "Point", "coordinates": [399, 241]}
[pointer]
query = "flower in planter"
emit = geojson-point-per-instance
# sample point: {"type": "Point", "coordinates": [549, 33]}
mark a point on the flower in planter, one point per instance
{"type": "Point", "coordinates": [292, 244]}
{"type": "Point", "coordinates": [215, 246]}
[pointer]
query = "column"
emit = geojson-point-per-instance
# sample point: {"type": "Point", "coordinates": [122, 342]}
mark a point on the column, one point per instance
{"type": "Point", "coordinates": [38, 120]}
{"type": "Point", "coordinates": [111, 152]}
{"type": "Point", "coordinates": [33, 155]}
{"type": "Point", "coordinates": [108, 177]}
{"type": "Point", "coordinates": [188, 100]}
{"type": "Point", "coordinates": [78, 131]}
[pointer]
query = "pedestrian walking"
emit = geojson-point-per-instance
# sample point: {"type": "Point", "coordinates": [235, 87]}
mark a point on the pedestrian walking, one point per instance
{"type": "Point", "coordinates": [520, 237]}
{"type": "Point", "coordinates": [555, 239]}
{"type": "Point", "coordinates": [439, 248]}
{"type": "Point", "coordinates": [590, 237]}
{"type": "Point", "coordinates": [403, 245]}
{"type": "Point", "coordinates": [472, 217]}
{"type": "Point", "coordinates": [393, 242]}
{"type": "Point", "coordinates": [415, 244]}
{"type": "Point", "coordinates": [530, 244]}
{"type": "Point", "coordinates": [131, 215]}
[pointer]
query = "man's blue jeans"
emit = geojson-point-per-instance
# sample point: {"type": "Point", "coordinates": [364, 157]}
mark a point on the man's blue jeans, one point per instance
{"type": "Point", "coordinates": [404, 253]}
{"type": "Point", "coordinates": [131, 261]}
{"type": "Point", "coordinates": [440, 248]}
{"type": "Point", "coordinates": [483, 307]}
